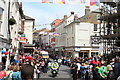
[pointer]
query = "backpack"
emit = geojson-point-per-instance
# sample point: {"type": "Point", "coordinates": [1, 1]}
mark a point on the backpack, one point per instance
{"type": "Point", "coordinates": [96, 74]}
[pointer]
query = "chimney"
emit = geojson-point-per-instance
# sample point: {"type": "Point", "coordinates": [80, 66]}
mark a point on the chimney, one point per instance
{"type": "Point", "coordinates": [72, 13]}
{"type": "Point", "coordinates": [65, 17]}
{"type": "Point", "coordinates": [87, 10]}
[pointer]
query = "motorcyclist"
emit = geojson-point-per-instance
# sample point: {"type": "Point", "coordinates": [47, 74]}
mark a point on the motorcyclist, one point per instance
{"type": "Point", "coordinates": [55, 65]}
{"type": "Point", "coordinates": [54, 68]}
{"type": "Point", "coordinates": [59, 61]}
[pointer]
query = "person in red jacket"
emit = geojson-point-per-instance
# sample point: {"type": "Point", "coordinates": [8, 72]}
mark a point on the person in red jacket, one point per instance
{"type": "Point", "coordinates": [95, 62]}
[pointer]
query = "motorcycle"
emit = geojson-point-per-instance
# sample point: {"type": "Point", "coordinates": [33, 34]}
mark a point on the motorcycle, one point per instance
{"type": "Point", "coordinates": [54, 73]}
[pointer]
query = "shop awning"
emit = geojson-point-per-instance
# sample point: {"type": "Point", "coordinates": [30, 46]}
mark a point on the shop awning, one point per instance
{"type": "Point", "coordinates": [29, 45]}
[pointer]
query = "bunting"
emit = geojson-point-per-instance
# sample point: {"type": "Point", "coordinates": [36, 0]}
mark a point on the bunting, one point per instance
{"type": "Point", "coordinates": [72, 2]}
{"type": "Point", "coordinates": [47, 1]}
{"type": "Point", "coordinates": [94, 3]}
{"type": "Point", "coordinates": [50, 33]}
{"type": "Point", "coordinates": [22, 39]}
{"type": "Point", "coordinates": [81, 2]}
{"type": "Point", "coordinates": [85, 2]}
{"type": "Point", "coordinates": [59, 1]}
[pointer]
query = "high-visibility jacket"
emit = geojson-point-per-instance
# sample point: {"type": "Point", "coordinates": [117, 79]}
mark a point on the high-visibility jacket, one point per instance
{"type": "Point", "coordinates": [55, 65]}
{"type": "Point", "coordinates": [59, 60]}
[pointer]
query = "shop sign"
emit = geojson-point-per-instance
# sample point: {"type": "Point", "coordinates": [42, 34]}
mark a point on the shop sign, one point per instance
{"type": "Point", "coordinates": [22, 35]}
{"type": "Point", "coordinates": [77, 49]}
{"type": "Point", "coordinates": [69, 49]}
{"type": "Point", "coordinates": [56, 49]}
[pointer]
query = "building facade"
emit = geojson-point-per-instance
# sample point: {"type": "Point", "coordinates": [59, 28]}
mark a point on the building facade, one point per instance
{"type": "Point", "coordinates": [75, 39]}
{"type": "Point", "coordinates": [15, 28]}
{"type": "Point", "coordinates": [4, 36]}
{"type": "Point", "coordinates": [28, 29]}
{"type": "Point", "coordinates": [53, 29]}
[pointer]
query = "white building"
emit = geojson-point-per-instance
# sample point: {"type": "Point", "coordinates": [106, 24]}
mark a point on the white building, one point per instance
{"type": "Point", "coordinates": [14, 29]}
{"type": "Point", "coordinates": [45, 38]}
{"type": "Point", "coordinates": [75, 39]}
{"type": "Point", "coordinates": [4, 37]}
{"type": "Point", "coordinates": [28, 28]}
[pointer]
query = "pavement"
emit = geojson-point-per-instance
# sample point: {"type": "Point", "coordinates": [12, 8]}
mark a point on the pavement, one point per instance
{"type": "Point", "coordinates": [63, 74]}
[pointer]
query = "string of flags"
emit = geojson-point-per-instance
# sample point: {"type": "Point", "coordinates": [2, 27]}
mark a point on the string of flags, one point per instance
{"type": "Point", "coordinates": [50, 33]}
{"type": "Point", "coordinates": [82, 2]}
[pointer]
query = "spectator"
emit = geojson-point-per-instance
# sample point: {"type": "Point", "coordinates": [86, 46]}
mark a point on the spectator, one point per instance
{"type": "Point", "coordinates": [75, 72]}
{"type": "Point", "coordinates": [16, 75]}
{"type": "Point", "coordinates": [117, 68]}
{"type": "Point", "coordinates": [111, 75]}
{"type": "Point", "coordinates": [27, 72]}
{"type": "Point", "coordinates": [9, 72]}
{"type": "Point", "coordinates": [103, 71]}
{"type": "Point", "coordinates": [37, 69]}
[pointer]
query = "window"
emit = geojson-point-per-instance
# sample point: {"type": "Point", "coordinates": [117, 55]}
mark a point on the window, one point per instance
{"type": "Point", "coordinates": [0, 17]}
{"type": "Point", "coordinates": [95, 27]}
{"type": "Point", "coordinates": [1, 12]}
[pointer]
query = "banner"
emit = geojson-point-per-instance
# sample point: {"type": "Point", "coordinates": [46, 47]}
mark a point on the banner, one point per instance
{"type": "Point", "coordinates": [50, 33]}
{"type": "Point", "coordinates": [72, 1]}
{"type": "Point", "coordinates": [81, 2]}
{"type": "Point", "coordinates": [100, 51]}
{"type": "Point", "coordinates": [47, 1]}
{"type": "Point", "coordinates": [59, 1]}
{"type": "Point", "coordinates": [85, 2]}
{"type": "Point", "coordinates": [94, 2]}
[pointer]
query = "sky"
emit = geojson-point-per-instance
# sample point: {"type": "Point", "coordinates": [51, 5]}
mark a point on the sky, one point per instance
{"type": "Point", "coordinates": [46, 13]}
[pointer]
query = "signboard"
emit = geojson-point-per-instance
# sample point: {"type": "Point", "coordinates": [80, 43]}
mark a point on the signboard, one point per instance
{"type": "Point", "coordinates": [69, 49]}
{"type": "Point", "coordinates": [56, 49]}
{"type": "Point", "coordinates": [77, 49]}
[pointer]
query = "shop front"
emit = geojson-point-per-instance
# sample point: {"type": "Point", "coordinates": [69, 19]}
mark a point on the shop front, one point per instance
{"type": "Point", "coordinates": [81, 51]}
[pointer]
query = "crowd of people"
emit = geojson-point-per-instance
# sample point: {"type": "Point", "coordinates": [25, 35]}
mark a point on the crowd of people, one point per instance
{"type": "Point", "coordinates": [95, 68]}
{"type": "Point", "coordinates": [28, 67]}
{"type": "Point", "coordinates": [31, 67]}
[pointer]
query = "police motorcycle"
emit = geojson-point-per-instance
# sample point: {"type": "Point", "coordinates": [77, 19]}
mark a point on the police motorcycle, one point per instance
{"type": "Point", "coordinates": [54, 69]}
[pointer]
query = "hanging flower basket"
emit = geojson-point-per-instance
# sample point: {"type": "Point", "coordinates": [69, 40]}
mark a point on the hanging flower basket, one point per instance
{"type": "Point", "coordinates": [12, 21]}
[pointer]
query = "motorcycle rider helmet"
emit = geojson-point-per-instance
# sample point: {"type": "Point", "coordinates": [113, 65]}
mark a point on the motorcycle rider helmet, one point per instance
{"type": "Point", "coordinates": [55, 60]}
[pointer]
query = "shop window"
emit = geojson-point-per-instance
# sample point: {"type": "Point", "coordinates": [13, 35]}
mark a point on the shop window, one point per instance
{"type": "Point", "coordinates": [80, 54]}
{"type": "Point", "coordinates": [94, 54]}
